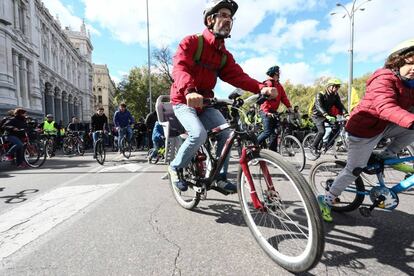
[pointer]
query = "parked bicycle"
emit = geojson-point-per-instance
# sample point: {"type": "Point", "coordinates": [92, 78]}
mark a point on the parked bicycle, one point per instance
{"type": "Point", "coordinates": [381, 181]}
{"type": "Point", "coordinates": [276, 202]}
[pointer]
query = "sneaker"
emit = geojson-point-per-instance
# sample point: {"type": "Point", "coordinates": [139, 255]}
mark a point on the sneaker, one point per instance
{"type": "Point", "coordinates": [8, 158]}
{"type": "Point", "coordinates": [180, 184]}
{"type": "Point", "coordinates": [226, 185]}
{"type": "Point", "coordinates": [325, 209]}
{"type": "Point", "coordinates": [23, 165]}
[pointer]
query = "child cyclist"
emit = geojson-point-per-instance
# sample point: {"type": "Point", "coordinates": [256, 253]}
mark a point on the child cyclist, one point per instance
{"type": "Point", "coordinates": [384, 112]}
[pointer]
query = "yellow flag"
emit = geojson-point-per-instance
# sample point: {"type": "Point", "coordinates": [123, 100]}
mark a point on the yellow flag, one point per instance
{"type": "Point", "coordinates": [354, 98]}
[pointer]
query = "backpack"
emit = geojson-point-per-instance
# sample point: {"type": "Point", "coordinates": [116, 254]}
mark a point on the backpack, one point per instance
{"type": "Point", "coordinates": [197, 56]}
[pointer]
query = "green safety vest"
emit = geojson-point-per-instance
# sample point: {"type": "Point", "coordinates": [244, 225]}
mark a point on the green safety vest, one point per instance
{"type": "Point", "coordinates": [49, 127]}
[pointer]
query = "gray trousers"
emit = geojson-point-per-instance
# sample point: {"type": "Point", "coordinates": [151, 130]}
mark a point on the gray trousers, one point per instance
{"type": "Point", "coordinates": [360, 149]}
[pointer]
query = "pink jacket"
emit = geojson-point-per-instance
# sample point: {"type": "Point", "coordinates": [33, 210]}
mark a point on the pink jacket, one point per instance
{"type": "Point", "coordinates": [386, 100]}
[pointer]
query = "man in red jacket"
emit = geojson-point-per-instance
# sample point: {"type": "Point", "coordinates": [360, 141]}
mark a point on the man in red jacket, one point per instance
{"type": "Point", "coordinates": [199, 60]}
{"type": "Point", "coordinates": [269, 108]}
{"type": "Point", "coordinates": [384, 112]}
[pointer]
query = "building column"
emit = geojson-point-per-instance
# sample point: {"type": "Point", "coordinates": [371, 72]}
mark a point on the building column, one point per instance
{"type": "Point", "coordinates": [29, 83]}
{"type": "Point", "coordinates": [49, 100]}
{"type": "Point", "coordinates": [65, 110]}
{"type": "Point", "coordinates": [58, 107]}
{"type": "Point", "coordinates": [17, 80]}
{"type": "Point", "coordinates": [16, 15]}
{"type": "Point", "coordinates": [23, 81]}
{"type": "Point", "coordinates": [70, 109]}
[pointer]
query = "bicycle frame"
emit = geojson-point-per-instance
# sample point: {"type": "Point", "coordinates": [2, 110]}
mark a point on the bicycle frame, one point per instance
{"type": "Point", "coordinates": [247, 153]}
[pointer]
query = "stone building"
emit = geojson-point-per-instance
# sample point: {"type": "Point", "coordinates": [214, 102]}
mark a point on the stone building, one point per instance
{"type": "Point", "coordinates": [43, 68]}
{"type": "Point", "coordinates": [103, 90]}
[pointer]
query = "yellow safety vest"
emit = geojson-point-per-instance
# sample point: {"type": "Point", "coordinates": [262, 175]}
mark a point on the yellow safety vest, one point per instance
{"type": "Point", "coordinates": [49, 128]}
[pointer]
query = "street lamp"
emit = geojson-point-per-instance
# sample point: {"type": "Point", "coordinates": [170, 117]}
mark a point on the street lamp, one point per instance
{"type": "Point", "coordinates": [149, 61]}
{"type": "Point", "coordinates": [350, 14]}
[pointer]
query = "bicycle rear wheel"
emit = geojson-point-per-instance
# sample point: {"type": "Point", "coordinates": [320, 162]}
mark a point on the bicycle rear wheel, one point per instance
{"type": "Point", "coordinates": [292, 150]}
{"type": "Point", "coordinates": [126, 148]}
{"type": "Point", "coordinates": [289, 228]}
{"type": "Point", "coordinates": [323, 174]}
{"type": "Point", "coordinates": [100, 152]}
{"type": "Point", "coordinates": [80, 147]}
{"type": "Point", "coordinates": [35, 154]}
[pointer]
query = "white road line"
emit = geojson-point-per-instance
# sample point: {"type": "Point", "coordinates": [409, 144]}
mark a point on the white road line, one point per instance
{"type": "Point", "coordinates": [26, 223]}
{"type": "Point", "coordinates": [130, 167]}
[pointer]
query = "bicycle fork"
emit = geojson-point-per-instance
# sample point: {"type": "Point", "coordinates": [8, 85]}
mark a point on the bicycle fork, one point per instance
{"type": "Point", "coordinates": [246, 171]}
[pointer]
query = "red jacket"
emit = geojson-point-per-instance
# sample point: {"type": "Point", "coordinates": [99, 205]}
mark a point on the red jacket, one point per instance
{"type": "Point", "coordinates": [188, 75]}
{"type": "Point", "coordinates": [271, 106]}
{"type": "Point", "coordinates": [386, 100]}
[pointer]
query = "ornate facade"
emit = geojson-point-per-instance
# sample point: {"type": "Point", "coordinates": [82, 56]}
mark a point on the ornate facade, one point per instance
{"type": "Point", "coordinates": [103, 90]}
{"type": "Point", "coordinates": [43, 68]}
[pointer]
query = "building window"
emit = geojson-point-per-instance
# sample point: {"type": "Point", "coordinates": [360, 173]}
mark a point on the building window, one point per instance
{"type": "Point", "coordinates": [99, 89]}
{"type": "Point", "coordinates": [100, 99]}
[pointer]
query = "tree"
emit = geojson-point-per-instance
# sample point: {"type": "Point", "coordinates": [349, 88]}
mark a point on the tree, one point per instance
{"type": "Point", "coordinates": [163, 59]}
{"type": "Point", "coordinates": [133, 90]}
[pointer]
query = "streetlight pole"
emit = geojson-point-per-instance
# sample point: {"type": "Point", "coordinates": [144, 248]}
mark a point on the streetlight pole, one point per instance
{"type": "Point", "coordinates": [149, 61]}
{"type": "Point", "coordinates": [350, 15]}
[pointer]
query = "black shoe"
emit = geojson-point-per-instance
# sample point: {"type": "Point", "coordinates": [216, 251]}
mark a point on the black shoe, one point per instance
{"type": "Point", "coordinates": [226, 185]}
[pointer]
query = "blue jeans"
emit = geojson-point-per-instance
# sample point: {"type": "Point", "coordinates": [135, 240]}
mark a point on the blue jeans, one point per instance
{"type": "Point", "coordinates": [121, 134]}
{"type": "Point", "coordinates": [17, 147]}
{"type": "Point", "coordinates": [269, 126]}
{"type": "Point", "coordinates": [196, 127]}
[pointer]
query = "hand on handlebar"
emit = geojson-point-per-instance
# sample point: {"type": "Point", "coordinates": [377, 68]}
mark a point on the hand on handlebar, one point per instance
{"type": "Point", "coordinates": [194, 100]}
{"type": "Point", "coordinates": [269, 91]}
{"type": "Point", "coordinates": [331, 119]}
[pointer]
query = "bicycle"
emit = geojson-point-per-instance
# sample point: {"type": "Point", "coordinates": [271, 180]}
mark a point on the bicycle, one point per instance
{"type": "Point", "coordinates": [160, 155]}
{"type": "Point", "coordinates": [49, 137]}
{"type": "Point", "coordinates": [125, 142]}
{"type": "Point", "coordinates": [381, 181]}
{"type": "Point", "coordinates": [99, 149]}
{"type": "Point", "coordinates": [73, 143]}
{"type": "Point", "coordinates": [276, 202]}
{"type": "Point", "coordinates": [336, 141]}
{"type": "Point", "coordinates": [34, 152]}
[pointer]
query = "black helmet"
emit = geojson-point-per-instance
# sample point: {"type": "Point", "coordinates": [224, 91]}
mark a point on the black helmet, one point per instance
{"type": "Point", "coordinates": [273, 70]}
{"type": "Point", "coordinates": [215, 5]}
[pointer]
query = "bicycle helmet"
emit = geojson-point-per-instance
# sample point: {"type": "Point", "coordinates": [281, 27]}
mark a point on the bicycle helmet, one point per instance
{"type": "Point", "coordinates": [215, 5]}
{"type": "Point", "coordinates": [403, 48]}
{"type": "Point", "coordinates": [49, 116]}
{"type": "Point", "coordinates": [273, 70]}
{"type": "Point", "coordinates": [332, 82]}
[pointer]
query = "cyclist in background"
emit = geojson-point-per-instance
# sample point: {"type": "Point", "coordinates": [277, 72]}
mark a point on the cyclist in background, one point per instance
{"type": "Point", "coordinates": [158, 139]}
{"type": "Point", "coordinates": [195, 74]}
{"type": "Point", "coordinates": [326, 107]}
{"type": "Point", "coordinates": [268, 109]}
{"type": "Point", "coordinates": [50, 127]}
{"type": "Point", "coordinates": [384, 112]}
{"type": "Point", "coordinates": [123, 121]}
{"type": "Point", "coordinates": [14, 130]}
{"type": "Point", "coordinates": [99, 122]}
{"type": "Point", "coordinates": [75, 125]}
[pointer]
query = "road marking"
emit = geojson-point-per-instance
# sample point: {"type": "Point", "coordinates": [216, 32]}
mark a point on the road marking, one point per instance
{"type": "Point", "coordinates": [129, 167]}
{"type": "Point", "coordinates": [26, 223]}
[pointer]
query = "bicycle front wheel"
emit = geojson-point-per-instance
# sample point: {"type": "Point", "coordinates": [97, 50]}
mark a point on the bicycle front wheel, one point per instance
{"type": "Point", "coordinates": [307, 144]}
{"type": "Point", "coordinates": [289, 226]}
{"type": "Point", "coordinates": [80, 147]}
{"type": "Point", "coordinates": [100, 152]}
{"type": "Point", "coordinates": [321, 178]}
{"type": "Point", "coordinates": [292, 150]}
{"type": "Point", "coordinates": [126, 148]}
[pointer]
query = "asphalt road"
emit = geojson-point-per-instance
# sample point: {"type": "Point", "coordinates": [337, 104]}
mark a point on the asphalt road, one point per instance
{"type": "Point", "coordinates": [75, 217]}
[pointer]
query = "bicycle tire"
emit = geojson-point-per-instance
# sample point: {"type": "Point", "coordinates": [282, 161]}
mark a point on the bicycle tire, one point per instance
{"type": "Point", "coordinates": [292, 150]}
{"type": "Point", "coordinates": [36, 149]}
{"type": "Point", "coordinates": [190, 198]}
{"type": "Point", "coordinates": [49, 148]}
{"type": "Point", "coordinates": [322, 175]}
{"type": "Point", "coordinates": [125, 148]}
{"type": "Point", "coordinates": [100, 152]}
{"type": "Point", "coordinates": [272, 164]}
{"type": "Point", "coordinates": [307, 143]}
{"type": "Point", "coordinates": [80, 147]}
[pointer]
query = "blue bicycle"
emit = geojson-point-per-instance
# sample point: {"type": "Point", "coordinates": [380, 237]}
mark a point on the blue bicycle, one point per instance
{"type": "Point", "coordinates": [381, 181]}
